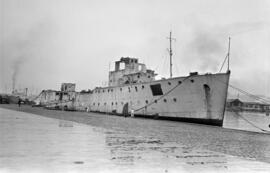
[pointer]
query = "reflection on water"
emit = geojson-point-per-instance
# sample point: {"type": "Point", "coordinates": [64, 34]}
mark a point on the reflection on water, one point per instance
{"type": "Point", "coordinates": [34, 143]}
{"type": "Point", "coordinates": [249, 121]}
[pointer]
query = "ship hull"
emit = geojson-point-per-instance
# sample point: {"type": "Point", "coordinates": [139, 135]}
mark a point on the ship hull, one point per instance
{"type": "Point", "coordinates": [197, 99]}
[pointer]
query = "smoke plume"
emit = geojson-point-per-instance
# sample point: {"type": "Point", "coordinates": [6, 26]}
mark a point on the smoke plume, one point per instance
{"type": "Point", "coordinates": [16, 67]}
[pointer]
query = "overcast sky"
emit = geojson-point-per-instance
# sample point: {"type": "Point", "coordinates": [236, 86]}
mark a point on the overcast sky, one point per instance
{"type": "Point", "coordinates": [47, 42]}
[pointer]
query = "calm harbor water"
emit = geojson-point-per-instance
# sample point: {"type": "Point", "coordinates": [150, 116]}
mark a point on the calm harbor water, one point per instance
{"type": "Point", "coordinates": [60, 141]}
{"type": "Point", "coordinates": [248, 121]}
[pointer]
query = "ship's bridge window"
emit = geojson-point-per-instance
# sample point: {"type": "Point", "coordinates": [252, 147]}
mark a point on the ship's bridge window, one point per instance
{"type": "Point", "coordinates": [122, 66]}
{"type": "Point", "coordinates": [140, 67]}
{"type": "Point", "coordinates": [156, 90]}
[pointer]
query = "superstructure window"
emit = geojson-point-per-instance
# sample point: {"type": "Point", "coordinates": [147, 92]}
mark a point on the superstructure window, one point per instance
{"type": "Point", "coordinates": [156, 90]}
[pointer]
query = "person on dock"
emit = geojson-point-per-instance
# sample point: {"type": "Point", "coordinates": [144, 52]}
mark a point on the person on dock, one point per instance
{"type": "Point", "coordinates": [19, 102]}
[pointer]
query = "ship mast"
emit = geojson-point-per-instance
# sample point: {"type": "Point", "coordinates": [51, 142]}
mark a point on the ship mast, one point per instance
{"type": "Point", "coordinates": [229, 48]}
{"type": "Point", "coordinates": [170, 52]}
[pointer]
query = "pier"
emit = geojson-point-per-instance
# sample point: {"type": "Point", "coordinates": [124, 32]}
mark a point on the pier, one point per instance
{"type": "Point", "coordinates": [43, 140]}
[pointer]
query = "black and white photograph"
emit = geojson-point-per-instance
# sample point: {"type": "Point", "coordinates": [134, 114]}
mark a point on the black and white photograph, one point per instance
{"type": "Point", "coordinates": [134, 86]}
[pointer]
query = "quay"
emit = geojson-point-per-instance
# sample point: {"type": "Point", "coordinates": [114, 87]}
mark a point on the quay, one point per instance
{"type": "Point", "coordinates": [40, 140]}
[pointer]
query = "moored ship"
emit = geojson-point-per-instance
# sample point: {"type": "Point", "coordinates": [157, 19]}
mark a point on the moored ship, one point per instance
{"type": "Point", "coordinates": [133, 89]}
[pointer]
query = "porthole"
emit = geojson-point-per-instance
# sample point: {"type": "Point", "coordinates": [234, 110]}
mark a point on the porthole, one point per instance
{"type": "Point", "coordinates": [191, 80]}
{"type": "Point", "coordinates": [112, 90]}
{"type": "Point", "coordinates": [165, 100]}
{"type": "Point", "coordinates": [174, 99]}
{"type": "Point", "coordinates": [120, 89]}
{"type": "Point", "coordinates": [142, 86]}
{"type": "Point", "coordinates": [179, 82]}
{"type": "Point", "coordinates": [155, 101]}
{"type": "Point", "coordinates": [146, 101]}
{"type": "Point", "coordinates": [108, 90]}
{"type": "Point", "coordinates": [169, 83]}
{"type": "Point", "coordinates": [94, 104]}
{"type": "Point", "coordinates": [115, 103]}
{"type": "Point", "coordinates": [103, 90]}
{"type": "Point", "coordinates": [112, 103]}
{"type": "Point", "coordinates": [98, 104]}
{"type": "Point", "coordinates": [136, 89]}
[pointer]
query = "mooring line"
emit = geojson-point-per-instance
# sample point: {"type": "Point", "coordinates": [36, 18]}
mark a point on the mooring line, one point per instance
{"type": "Point", "coordinates": [251, 122]}
{"type": "Point", "coordinates": [152, 102]}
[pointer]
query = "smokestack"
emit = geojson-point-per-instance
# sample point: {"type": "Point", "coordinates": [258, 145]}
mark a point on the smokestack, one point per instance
{"type": "Point", "coordinates": [26, 90]}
